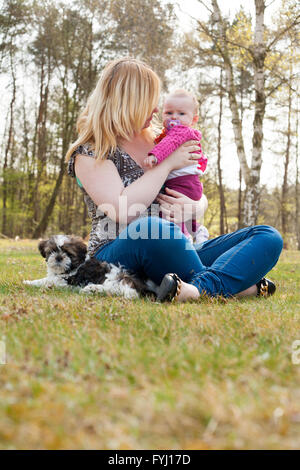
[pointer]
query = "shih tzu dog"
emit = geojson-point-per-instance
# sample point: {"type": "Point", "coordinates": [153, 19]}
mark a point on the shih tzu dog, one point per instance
{"type": "Point", "coordinates": [69, 265]}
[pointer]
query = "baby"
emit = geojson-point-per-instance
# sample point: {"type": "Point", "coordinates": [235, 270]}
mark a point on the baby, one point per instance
{"type": "Point", "coordinates": [179, 114]}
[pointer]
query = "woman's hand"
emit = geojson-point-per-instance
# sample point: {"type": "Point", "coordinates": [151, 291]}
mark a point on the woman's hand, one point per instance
{"type": "Point", "coordinates": [183, 155]}
{"type": "Point", "coordinates": [179, 208]}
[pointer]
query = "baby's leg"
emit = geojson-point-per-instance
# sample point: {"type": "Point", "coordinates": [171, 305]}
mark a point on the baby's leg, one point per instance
{"type": "Point", "coordinates": [195, 225]}
{"type": "Point", "coordinates": [201, 235]}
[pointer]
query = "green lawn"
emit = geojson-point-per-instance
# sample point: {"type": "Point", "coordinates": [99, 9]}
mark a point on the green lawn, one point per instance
{"type": "Point", "coordinates": [108, 373]}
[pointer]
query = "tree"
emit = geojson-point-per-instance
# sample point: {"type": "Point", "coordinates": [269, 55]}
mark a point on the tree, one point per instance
{"type": "Point", "coordinates": [144, 29]}
{"type": "Point", "coordinates": [223, 218]}
{"type": "Point", "coordinates": [13, 17]}
{"type": "Point", "coordinates": [71, 55]}
{"type": "Point", "coordinates": [232, 46]}
{"type": "Point", "coordinates": [297, 182]}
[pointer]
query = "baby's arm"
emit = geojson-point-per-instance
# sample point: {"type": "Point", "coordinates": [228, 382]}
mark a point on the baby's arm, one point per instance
{"type": "Point", "coordinates": [175, 137]}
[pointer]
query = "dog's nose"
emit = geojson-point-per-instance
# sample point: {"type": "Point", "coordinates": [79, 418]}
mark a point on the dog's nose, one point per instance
{"type": "Point", "coordinates": [58, 258]}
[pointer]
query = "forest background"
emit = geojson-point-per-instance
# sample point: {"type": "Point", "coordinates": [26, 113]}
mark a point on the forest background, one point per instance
{"type": "Point", "coordinates": [241, 61]}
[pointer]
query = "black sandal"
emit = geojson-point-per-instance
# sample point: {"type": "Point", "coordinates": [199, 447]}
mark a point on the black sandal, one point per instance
{"type": "Point", "coordinates": [265, 287]}
{"type": "Point", "coordinates": [169, 288]}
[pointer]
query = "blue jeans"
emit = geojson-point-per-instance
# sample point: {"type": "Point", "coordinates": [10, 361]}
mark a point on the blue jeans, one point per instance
{"type": "Point", "coordinates": [224, 266]}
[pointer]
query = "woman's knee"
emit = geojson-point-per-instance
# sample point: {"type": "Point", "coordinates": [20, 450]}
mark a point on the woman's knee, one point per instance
{"type": "Point", "coordinates": [277, 239]}
{"type": "Point", "coordinates": [271, 237]}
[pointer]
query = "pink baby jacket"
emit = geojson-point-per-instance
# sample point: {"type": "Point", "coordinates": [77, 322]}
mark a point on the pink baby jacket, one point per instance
{"type": "Point", "coordinates": [174, 137]}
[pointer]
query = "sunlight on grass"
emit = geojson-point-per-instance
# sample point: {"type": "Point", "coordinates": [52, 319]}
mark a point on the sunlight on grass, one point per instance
{"type": "Point", "coordinates": [99, 372]}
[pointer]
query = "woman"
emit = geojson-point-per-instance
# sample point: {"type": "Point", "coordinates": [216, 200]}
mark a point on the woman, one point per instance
{"type": "Point", "coordinates": [107, 160]}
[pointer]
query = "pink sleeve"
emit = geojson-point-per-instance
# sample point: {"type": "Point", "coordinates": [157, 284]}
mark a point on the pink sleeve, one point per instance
{"type": "Point", "coordinates": [175, 137]}
{"type": "Point", "coordinates": [202, 162]}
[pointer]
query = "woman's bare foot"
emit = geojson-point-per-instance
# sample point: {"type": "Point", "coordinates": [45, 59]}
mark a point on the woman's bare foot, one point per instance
{"type": "Point", "coordinates": [248, 292]}
{"type": "Point", "coordinates": [167, 290]}
{"type": "Point", "coordinates": [187, 291]}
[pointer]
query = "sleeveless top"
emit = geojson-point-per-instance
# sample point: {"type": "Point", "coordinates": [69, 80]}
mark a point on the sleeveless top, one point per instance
{"type": "Point", "coordinates": [104, 229]}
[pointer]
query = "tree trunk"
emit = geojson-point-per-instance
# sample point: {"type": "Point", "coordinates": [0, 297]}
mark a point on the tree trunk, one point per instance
{"type": "Point", "coordinates": [42, 226]}
{"type": "Point", "coordinates": [252, 193]}
{"type": "Point", "coordinates": [284, 190]}
{"type": "Point", "coordinates": [251, 176]}
{"type": "Point", "coordinates": [251, 202]}
{"type": "Point", "coordinates": [7, 150]}
{"type": "Point", "coordinates": [240, 192]}
{"type": "Point", "coordinates": [231, 90]}
{"type": "Point", "coordinates": [68, 121]}
{"type": "Point", "coordinates": [297, 185]}
{"type": "Point", "coordinates": [40, 138]}
{"type": "Point", "coordinates": [240, 201]}
{"type": "Point", "coordinates": [220, 185]}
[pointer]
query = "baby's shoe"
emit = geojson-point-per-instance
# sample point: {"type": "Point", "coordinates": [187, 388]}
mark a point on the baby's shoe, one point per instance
{"type": "Point", "coordinates": [201, 234]}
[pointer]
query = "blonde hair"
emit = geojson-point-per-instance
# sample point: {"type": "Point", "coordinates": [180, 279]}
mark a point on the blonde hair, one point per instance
{"type": "Point", "coordinates": [124, 98]}
{"type": "Point", "coordinates": [180, 92]}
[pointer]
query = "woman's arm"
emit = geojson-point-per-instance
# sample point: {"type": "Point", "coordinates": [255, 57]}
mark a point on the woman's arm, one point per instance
{"type": "Point", "coordinates": [102, 182]}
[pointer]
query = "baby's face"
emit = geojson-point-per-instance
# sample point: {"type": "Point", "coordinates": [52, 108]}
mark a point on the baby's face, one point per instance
{"type": "Point", "coordinates": [181, 108]}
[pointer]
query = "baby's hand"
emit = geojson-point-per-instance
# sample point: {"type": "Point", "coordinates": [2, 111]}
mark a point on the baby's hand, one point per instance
{"type": "Point", "coordinates": [150, 161]}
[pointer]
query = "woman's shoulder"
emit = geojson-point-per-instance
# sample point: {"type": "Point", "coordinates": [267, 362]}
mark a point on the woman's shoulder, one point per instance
{"type": "Point", "coordinates": [125, 165]}
{"type": "Point", "coordinates": [83, 149]}
{"type": "Point", "coordinates": [87, 149]}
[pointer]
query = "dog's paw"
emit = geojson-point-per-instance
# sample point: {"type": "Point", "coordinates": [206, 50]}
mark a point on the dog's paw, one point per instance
{"type": "Point", "coordinates": [92, 288]}
{"type": "Point", "coordinates": [126, 291]}
{"type": "Point", "coordinates": [132, 294]}
{"type": "Point", "coordinates": [36, 283]}
{"type": "Point", "coordinates": [45, 282]}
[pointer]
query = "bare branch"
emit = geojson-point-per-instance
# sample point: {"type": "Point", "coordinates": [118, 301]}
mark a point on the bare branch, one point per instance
{"type": "Point", "coordinates": [239, 45]}
{"type": "Point", "coordinates": [214, 38]}
{"type": "Point", "coordinates": [282, 80]}
{"type": "Point", "coordinates": [191, 16]}
{"type": "Point", "coordinates": [272, 1]}
{"type": "Point", "coordinates": [283, 31]}
{"type": "Point", "coordinates": [276, 87]}
{"type": "Point", "coordinates": [202, 3]}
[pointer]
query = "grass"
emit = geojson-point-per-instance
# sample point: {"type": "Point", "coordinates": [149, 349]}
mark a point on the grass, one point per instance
{"type": "Point", "coordinates": [98, 372]}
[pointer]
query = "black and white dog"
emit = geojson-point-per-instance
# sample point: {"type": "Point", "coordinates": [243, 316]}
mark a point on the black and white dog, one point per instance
{"type": "Point", "coordinates": [69, 265]}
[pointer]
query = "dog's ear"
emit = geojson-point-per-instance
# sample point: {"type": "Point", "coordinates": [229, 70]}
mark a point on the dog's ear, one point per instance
{"type": "Point", "coordinates": [41, 247]}
{"type": "Point", "coordinates": [81, 247]}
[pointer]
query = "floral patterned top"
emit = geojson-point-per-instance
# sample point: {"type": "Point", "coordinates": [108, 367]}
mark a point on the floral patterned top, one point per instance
{"type": "Point", "coordinates": [104, 229]}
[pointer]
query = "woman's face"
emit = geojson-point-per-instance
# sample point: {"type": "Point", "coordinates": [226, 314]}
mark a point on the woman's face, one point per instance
{"type": "Point", "coordinates": [147, 123]}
